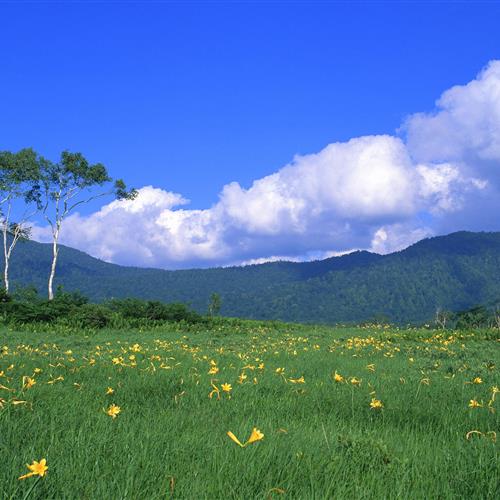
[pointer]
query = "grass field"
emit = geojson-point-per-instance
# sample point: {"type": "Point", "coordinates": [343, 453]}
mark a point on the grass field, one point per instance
{"type": "Point", "coordinates": [345, 413]}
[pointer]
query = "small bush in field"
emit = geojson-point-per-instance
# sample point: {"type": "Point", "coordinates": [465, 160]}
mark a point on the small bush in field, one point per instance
{"type": "Point", "coordinates": [93, 316]}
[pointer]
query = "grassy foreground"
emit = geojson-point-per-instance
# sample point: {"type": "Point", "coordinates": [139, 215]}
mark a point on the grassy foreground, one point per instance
{"type": "Point", "coordinates": [345, 413]}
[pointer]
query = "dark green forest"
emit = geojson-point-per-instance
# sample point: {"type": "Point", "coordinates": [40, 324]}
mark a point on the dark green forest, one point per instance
{"type": "Point", "coordinates": [453, 272]}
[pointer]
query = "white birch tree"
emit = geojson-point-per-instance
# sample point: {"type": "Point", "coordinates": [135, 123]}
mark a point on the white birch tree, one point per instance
{"type": "Point", "coordinates": [66, 185]}
{"type": "Point", "coordinates": [19, 176]}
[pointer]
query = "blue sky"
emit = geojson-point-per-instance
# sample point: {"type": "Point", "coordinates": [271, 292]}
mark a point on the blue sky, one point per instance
{"type": "Point", "coordinates": [189, 97]}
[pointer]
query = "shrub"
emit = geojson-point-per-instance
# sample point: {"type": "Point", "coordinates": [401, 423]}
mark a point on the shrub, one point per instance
{"type": "Point", "coordinates": [93, 316]}
{"type": "Point", "coordinates": [73, 309]}
{"type": "Point", "coordinates": [127, 308]}
{"type": "Point", "coordinates": [153, 310]}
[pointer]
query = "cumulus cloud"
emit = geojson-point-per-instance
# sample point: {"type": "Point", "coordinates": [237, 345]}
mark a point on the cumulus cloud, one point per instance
{"type": "Point", "coordinates": [464, 128]}
{"type": "Point", "coordinates": [375, 192]}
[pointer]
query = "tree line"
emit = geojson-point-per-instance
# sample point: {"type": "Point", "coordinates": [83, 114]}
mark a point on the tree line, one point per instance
{"type": "Point", "coordinates": [31, 185]}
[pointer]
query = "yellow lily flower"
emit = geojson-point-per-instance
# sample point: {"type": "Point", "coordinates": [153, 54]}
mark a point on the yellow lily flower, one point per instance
{"type": "Point", "coordinates": [256, 435]}
{"type": "Point", "coordinates": [235, 439]}
{"type": "Point", "coordinates": [36, 469]}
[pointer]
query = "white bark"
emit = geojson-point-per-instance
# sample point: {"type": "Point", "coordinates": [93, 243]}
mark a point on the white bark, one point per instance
{"type": "Point", "coordinates": [64, 198]}
{"type": "Point", "coordinates": [55, 253]}
{"type": "Point", "coordinates": [16, 234]}
{"type": "Point", "coordinates": [6, 275]}
{"type": "Point", "coordinates": [5, 229]}
{"type": "Point", "coordinates": [56, 229]}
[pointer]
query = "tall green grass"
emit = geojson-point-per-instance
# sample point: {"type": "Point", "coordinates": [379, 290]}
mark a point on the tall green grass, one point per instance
{"type": "Point", "coordinates": [321, 438]}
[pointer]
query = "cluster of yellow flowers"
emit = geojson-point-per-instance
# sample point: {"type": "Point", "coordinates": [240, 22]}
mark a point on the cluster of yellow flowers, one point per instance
{"type": "Point", "coordinates": [226, 372]}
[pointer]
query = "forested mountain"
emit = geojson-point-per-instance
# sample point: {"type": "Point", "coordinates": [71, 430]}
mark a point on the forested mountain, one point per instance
{"type": "Point", "coordinates": [453, 272]}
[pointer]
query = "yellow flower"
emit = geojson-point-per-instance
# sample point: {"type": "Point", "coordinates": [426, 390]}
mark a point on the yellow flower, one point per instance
{"type": "Point", "coordinates": [477, 380]}
{"type": "Point", "coordinates": [338, 377]}
{"type": "Point", "coordinates": [280, 370]}
{"type": "Point", "coordinates": [300, 380]}
{"type": "Point", "coordinates": [213, 370]}
{"type": "Point", "coordinates": [226, 387]}
{"type": "Point", "coordinates": [242, 378]}
{"type": "Point", "coordinates": [28, 382]}
{"type": "Point", "coordinates": [37, 370]}
{"type": "Point", "coordinates": [113, 411]}
{"type": "Point", "coordinates": [473, 403]}
{"type": "Point", "coordinates": [110, 390]}
{"type": "Point", "coordinates": [256, 435]}
{"type": "Point", "coordinates": [376, 404]}
{"type": "Point", "coordinates": [370, 367]}
{"type": "Point", "coordinates": [36, 468]}
{"type": "Point", "coordinates": [235, 439]}
{"type": "Point", "coordinates": [355, 381]}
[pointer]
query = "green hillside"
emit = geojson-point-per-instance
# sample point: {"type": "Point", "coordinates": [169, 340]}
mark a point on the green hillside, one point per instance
{"type": "Point", "coordinates": [452, 272]}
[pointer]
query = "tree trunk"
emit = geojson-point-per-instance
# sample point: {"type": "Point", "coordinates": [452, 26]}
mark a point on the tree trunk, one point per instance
{"type": "Point", "coordinates": [6, 276]}
{"type": "Point", "coordinates": [55, 253]}
{"type": "Point", "coordinates": [6, 259]}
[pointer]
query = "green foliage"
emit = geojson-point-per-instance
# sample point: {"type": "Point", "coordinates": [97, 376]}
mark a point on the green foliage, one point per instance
{"type": "Point", "coordinates": [27, 293]}
{"type": "Point", "coordinates": [65, 180]}
{"type": "Point", "coordinates": [93, 316]}
{"type": "Point", "coordinates": [73, 309]}
{"type": "Point", "coordinates": [321, 438]}
{"type": "Point", "coordinates": [20, 172]}
{"type": "Point", "coordinates": [4, 296]}
{"type": "Point", "coordinates": [152, 310]}
{"type": "Point", "coordinates": [475, 317]}
{"type": "Point", "coordinates": [73, 171]}
{"type": "Point", "coordinates": [452, 272]}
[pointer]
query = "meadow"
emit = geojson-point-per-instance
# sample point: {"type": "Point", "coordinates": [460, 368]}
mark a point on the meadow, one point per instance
{"type": "Point", "coordinates": [311, 412]}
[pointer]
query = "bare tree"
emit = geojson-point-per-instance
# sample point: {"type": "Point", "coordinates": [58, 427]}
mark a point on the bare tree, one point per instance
{"type": "Point", "coordinates": [68, 184]}
{"type": "Point", "coordinates": [496, 316]}
{"type": "Point", "coordinates": [441, 318]}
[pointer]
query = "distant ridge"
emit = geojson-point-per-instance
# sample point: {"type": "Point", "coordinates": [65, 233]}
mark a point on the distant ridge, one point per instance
{"type": "Point", "coordinates": [453, 272]}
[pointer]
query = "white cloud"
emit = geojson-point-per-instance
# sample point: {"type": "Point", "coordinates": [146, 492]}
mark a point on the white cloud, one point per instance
{"type": "Point", "coordinates": [444, 186]}
{"type": "Point", "coordinates": [465, 127]}
{"type": "Point", "coordinates": [397, 237]}
{"type": "Point", "coordinates": [363, 179]}
{"type": "Point", "coordinates": [374, 192]}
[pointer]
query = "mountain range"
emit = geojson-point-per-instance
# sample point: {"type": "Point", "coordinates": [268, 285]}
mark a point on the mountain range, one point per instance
{"type": "Point", "coordinates": [452, 272]}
